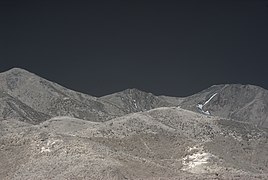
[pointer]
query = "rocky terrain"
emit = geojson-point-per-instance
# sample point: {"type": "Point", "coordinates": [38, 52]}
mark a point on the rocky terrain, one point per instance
{"type": "Point", "coordinates": [235, 101]}
{"type": "Point", "coordinates": [134, 100]}
{"type": "Point", "coordinates": [50, 132]}
{"type": "Point", "coordinates": [30, 98]}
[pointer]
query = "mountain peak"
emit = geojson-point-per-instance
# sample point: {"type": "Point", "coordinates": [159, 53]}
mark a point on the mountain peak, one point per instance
{"type": "Point", "coordinates": [237, 85]}
{"type": "Point", "coordinates": [17, 71]}
{"type": "Point", "coordinates": [242, 102]}
{"type": "Point", "coordinates": [133, 90]}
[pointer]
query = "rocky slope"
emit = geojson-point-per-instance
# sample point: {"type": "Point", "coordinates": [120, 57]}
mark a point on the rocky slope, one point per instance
{"type": "Point", "coordinates": [134, 100]}
{"type": "Point", "coordinates": [170, 143]}
{"type": "Point", "coordinates": [246, 103]}
{"type": "Point", "coordinates": [28, 97]}
{"type": "Point", "coordinates": [50, 132]}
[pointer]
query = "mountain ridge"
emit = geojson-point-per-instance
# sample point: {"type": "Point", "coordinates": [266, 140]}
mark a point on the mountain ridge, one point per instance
{"type": "Point", "coordinates": [235, 101]}
{"type": "Point", "coordinates": [50, 132]}
{"type": "Point", "coordinates": [28, 88]}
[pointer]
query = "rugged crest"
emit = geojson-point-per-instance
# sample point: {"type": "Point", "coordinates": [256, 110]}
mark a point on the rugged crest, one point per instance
{"type": "Point", "coordinates": [246, 103]}
{"type": "Point", "coordinates": [47, 99]}
{"type": "Point", "coordinates": [50, 132]}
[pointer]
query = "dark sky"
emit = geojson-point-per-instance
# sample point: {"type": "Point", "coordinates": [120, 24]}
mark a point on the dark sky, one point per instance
{"type": "Point", "coordinates": [165, 47]}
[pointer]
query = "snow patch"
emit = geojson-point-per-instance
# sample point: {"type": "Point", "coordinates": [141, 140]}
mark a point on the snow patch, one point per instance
{"type": "Point", "coordinates": [50, 144]}
{"type": "Point", "coordinates": [196, 161]}
{"type": "Point", "coordinates": [210, 99]}
{"type": "Point", "coordinates": [200, 106]}
{"type": "Point", "coordinates": [192, 148]}
{"type": "Point", "coordinates": [135, 104]}
{"type": "Point", "coordinates": [43, 149]}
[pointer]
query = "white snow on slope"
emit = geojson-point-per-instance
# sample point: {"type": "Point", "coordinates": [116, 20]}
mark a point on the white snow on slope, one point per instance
{"type": "Point", "coordinates": [200, 106]}
{"type": "Point", "coordinates": [210, 99]}
{"type": "Point", "coordinates": [135, 104]}
{"type": "Point", "coordinates": [197, 160]}
{"type": "Point", "coordinates": [49, 145]}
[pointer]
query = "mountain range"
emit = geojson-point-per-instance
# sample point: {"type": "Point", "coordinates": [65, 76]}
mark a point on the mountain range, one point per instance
{"type": "Point", "coordinates": [51, 132]}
